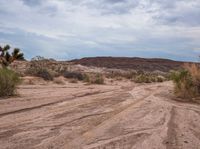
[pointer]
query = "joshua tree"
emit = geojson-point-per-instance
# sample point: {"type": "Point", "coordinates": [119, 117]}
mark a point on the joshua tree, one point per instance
{"type": "Point", "coordinates": [6, 58]}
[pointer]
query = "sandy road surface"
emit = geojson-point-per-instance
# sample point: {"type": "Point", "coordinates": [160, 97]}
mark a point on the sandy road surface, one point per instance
{"type": "Point", "coordinates": [77, 116]}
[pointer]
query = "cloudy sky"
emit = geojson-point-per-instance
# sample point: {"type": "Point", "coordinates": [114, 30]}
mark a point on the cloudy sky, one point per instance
{"type": "Point", "coordinates": [67, 29]}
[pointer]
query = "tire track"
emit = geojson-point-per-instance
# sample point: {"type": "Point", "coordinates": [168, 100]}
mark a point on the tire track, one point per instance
{"type": "Point", "coordinates": [51, 103]}
{"type": "Point", "coordinates": [112, 119]}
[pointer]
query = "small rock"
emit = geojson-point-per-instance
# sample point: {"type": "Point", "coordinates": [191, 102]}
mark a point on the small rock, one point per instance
{"type": "Point", "coordinates": [185, 141]}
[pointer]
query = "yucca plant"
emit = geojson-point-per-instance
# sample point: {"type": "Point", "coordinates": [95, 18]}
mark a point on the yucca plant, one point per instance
{"type": "Point", "coordinates": [7, 58]}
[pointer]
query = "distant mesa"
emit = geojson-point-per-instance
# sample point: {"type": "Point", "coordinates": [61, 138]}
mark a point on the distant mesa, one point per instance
{"type": "Point", "coordinates": [146, 64]}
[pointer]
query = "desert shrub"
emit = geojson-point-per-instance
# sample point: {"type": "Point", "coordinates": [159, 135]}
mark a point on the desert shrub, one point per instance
{"type": "Point", "coordinates": [148, 78]}
{"type": "Point", "coordinates": [187, 81]}
{"type": "Point", "coordinates": [94, 78]}
{"type": "Point", "coordinates": [86, 78]}
{"type": "Point", "coordinates": [98, 79]}
{"type": "Point", "coordinates": [45, 74]}
{"type": "Point", "coordinates": [40, 72]}
{"type": "Point", "coordinates": [8, 82]}
{"type": "Point", "coordinates": [73, 75]}
{"type": "Point", "coordinates": [160, 79]}
{"type": "Point", "coordinates": [38, 68]}
{"type": "Point", "coordinates": [142, 79]}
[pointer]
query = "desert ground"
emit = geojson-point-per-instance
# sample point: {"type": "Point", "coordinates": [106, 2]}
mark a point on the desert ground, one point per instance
{"type": "Point", "coordinates": [116, 115]}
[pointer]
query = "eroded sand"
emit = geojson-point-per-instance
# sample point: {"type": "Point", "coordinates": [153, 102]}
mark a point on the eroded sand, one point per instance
{"type": "Point", "coordinates": [116, 116]}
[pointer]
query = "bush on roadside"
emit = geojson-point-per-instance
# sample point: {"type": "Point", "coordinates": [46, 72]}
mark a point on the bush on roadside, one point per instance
{"type": "Point", "coordinates": [148, 78]}
{"type": "Point", "coordinates": [98, 79]}
{"type": "Point", "coordinates": [187, 81]}
{"type": "Point", "coordinates": [73, 75]}
{"type": "Point", "coordinates": [142, 79]}
{"type": "Point", "coordinates": [8, 82]}
{"type": "Point", "coordinates": [94, 78]}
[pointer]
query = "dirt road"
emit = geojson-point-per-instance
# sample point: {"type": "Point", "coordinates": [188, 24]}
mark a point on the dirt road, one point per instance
{"type": "Point", "coordinates": [115, 116]}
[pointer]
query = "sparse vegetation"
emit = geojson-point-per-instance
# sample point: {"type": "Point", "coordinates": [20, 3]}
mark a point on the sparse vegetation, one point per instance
{"type": "Point", "coordinates": [187, 81]}
{"type": "Point", "coordinates": [45, 74]}
{"type": "Point", "coordinates": [142, 79]}
{"type": "Point", "coordinates": [148, 78]}
{"type": "Point", "coordinates": [8, 82]}
{"type": "Point", "coordinates": [138, 76]}
{"type": "Point", "coordinates": [73, 75]}
{"type": "Point", "coordinates": [94, 78]}
{"type": "Point", "coordinates": [38, 68]}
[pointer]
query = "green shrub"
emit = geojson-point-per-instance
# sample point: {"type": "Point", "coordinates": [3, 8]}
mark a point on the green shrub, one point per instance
{"type": "Point", "coordinates": [8, 82]}
{"type": "Point", "coordinates": [185, 87]}
{"type": "Point", "coordinates": [148, 78]}
{"type": "Point", "coordinates": [142, 79]}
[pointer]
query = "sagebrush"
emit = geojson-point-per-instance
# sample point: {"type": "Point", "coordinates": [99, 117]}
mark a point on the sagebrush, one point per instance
{"type": "Point", "coordinates": [38, 67]}
{"type": "Point", "coordinates": [8, 82]}
{"type": "Point", "coordinates": [187, 81]}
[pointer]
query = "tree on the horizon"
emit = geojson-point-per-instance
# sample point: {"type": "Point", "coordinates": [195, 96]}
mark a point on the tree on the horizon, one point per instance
{"type": "Point", "coordinates": [7, 58]}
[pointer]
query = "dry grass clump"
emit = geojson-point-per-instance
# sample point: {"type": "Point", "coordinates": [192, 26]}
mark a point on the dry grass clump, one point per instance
{"type": "Point", "coordinates": [38, 68]}
{"type": "Point", "coordinates": [59, 80]}
{"type": "Point", "coordinates": [98, 79]}
{"type": "Point", "coordinates": [148, 78]}
{"type": "Point", "coordinates": [94, 78]}
{"type": "Point", "coordinates": [8, 82]}
{"type": "Point", "coordinates": [187, 81]}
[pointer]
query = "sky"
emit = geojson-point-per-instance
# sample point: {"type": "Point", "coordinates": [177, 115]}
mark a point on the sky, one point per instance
{"type": "Point", "coordinates": [70, 29]}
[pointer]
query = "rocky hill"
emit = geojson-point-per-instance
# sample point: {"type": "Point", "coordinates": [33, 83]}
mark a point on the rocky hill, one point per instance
{"type": "Point", "coordinates": [135, 63]}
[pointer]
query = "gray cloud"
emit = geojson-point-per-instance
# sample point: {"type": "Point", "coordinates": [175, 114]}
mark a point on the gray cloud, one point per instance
{"type": "Point", "coordinates": [165, 28]}
{"type": "Point", "coordinates": [32, 2]}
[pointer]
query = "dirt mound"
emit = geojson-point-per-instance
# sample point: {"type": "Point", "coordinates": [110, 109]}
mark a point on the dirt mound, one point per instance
{"type": "Point", "coordinates": [164, 65]}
